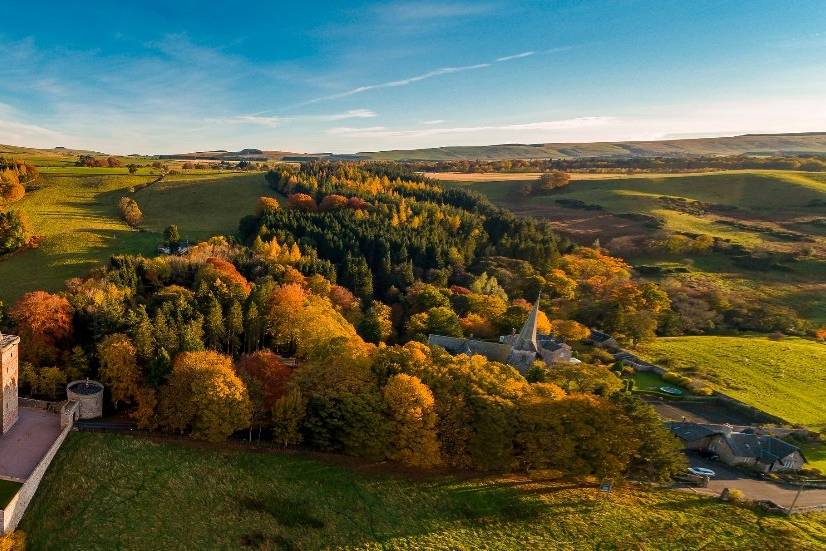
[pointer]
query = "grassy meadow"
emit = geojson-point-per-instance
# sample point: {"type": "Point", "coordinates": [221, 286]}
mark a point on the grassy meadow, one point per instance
{"type": "Point", "coordinates": [116, 492]}
{"type": "Point", "coordinates": [786, 378]}
{"type": "Point", "coordinates": [7, 491]}
{"type": "Point", "coordinates": [75, 211]}
{"type": "Point", "coordinates": [763, 211]}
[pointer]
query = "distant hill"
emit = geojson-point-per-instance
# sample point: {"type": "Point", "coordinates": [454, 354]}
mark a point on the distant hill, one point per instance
{"type": "Point", "coordinates": [244, 155]}
{"type": "Point", "coordinates": [757, 144]}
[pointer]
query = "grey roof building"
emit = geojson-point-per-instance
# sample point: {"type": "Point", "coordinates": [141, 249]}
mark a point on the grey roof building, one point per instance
{"type": "Point", "coordinates": [759, 451]}
{"type": "Point", "coordinates": [519, 349]}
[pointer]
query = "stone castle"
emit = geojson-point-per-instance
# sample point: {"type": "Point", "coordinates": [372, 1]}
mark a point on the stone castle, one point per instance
{"type": "Point", "coordinates": [8, 380]}
{"type": "Point", "coordinates": [518, 349]}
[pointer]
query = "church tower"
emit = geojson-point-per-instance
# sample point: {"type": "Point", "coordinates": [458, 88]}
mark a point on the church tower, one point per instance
{"type": "Point", "coordinates": [526, 340]}
{"type": "Point", "coordinates": [8, 380]}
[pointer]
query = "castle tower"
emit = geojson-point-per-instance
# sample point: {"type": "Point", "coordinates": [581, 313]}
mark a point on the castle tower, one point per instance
{"type": "Point", "coordinates": [526, 340]}
{"type": "Point", "coordinates": [8, 380]}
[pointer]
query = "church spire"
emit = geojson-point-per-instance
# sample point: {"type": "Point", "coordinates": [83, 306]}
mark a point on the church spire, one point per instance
{"type": "Point", "coordinates": [527, 336]}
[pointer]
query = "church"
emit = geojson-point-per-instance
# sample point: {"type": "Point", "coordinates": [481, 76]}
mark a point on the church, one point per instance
{"type": "Point", "coordinates": [518, 349]}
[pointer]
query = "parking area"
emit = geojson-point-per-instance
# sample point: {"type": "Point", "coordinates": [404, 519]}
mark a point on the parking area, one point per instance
{"type": "Point", "coordinates": [754, 488]}
{"type": "Point", "coordinates": [22, 448]}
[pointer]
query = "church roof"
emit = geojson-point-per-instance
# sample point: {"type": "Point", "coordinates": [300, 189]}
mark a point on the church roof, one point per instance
{"type": "Point", "coordinates": [457, 345]}
{"type": "Point", "coordinates": [526, 340]}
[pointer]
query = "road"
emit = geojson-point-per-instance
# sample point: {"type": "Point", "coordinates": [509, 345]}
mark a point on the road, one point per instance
{"type": "Point", "coordinates": [781, 494]}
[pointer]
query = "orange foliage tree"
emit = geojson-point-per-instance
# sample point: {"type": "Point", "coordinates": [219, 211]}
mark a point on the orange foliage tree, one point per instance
{"type": "Point", "coordinates": [333, 202]}
{"type": "Point", "coordinates": [44, 321]}
{"type": "Point", "coordinates": [301, 201]}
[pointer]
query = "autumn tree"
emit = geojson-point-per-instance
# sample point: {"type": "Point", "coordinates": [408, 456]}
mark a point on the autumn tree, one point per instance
{"type": "Point", "coordinates": [144, 414]}
{"type": "Point", "coordinates": [550, 181]}
{"type": "Point", "coordinates": [265, 377]}
{"type": "Point", "coordinates": [172, 235]}
{"type": "Point", "coordinates": [204, 393]}
{"type": "Point", "coordinates": [412, 408]}
{"type": "Point", "coordinates": [130, 211]}
{"type": "Point", "coordinates": [50, 381]}
{"type": "Point", "coordinates": [332, 202]}
{"type": "Point", "coordinates": [268, 205]}
{"type": "Point", "coordinates": [301, 201]}
{"type": "Point", "coordinates": [44, 322]}
{"type": "Point", "coordinates": [440, 321]}
{"type": "Point", "coordinates": [118, 367]}
{"type": "Point", "coordinates": [584, 377]}
{"type": "Point", "coordinates": [288, 413]}
{"type": "Point", "coordinates": [15, 231]}
{"type": "Point", "coordinates": [570, 330]}
{"type": "Point", "coordinates": [376, 326]}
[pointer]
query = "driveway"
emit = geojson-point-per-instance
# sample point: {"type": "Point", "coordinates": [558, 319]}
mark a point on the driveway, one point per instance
{"type": "Point", "coordinates": [781, 494]}
{"type": "Point", "coordinates": [705, 411]}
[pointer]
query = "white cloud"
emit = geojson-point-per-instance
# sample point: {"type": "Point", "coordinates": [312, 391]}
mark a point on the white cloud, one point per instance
{"type": "Point", "coordinates": [254, 120]}
{"type": "Point", "coordinates": [434, 121]}
{"type": "Point", "coordinates": [276, 121]}
{"type": "Point", "coordinates": [514, 56]}
{"type": "Point", "coordinates": [383, 132]}
{"type": "Point", "coordinates": [351, 114]}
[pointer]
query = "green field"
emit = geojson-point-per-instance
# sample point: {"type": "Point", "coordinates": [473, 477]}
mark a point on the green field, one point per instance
{"type": "Point", "coordinates": [114, 492]}
{"type": "Point", "coordinates": [7, 491]}
{"type": "Point", "coordinates": [763, 203]}
{"type": "Point", "coordinates": [75, 211]}
{"type": "Point", "coordinates": [786, 378]}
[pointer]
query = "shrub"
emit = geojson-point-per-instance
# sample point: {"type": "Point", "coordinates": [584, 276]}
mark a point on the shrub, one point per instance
{"type": "Point", "coordinates": [130, 211]}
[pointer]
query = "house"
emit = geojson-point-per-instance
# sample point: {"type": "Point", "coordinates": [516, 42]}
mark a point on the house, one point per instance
{"type": "Point", "coordinates": [518, 349]}
{"type": "Point", "coordinates": [603, 340]}
{"type": "Point", "coordinates": [762, 452]}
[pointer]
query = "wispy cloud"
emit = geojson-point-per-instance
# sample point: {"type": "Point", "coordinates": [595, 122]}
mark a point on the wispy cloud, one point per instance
{"type": "Point", "coordinates": [277, 121]}
{"type": "Point", "coordinates": [383, 132]}
{"type": "Point", "coordinates": [433, 122]}
{"type": "Point", "coordinates": [424, 76]}
{"type": "Point", "coordinates": [514, 56]}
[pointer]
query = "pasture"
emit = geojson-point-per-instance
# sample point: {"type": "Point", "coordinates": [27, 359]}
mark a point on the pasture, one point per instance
{"type": "Point", "coordinates": [117, 492]}
{"type": "Point", "coordinates": [786, 378]}
{"type": "Point", "coordinates": [761, 211]}
{"type": "Point", "coordinates": [74, 210]}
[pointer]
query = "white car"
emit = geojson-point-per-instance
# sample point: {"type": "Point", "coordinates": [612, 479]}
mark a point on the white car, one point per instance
{"type": "Point", "coordinates": [702, 471]}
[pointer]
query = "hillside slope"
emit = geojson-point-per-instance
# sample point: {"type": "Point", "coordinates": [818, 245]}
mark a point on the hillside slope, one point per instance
{"type": "Point", "coordinates": [814, 142]}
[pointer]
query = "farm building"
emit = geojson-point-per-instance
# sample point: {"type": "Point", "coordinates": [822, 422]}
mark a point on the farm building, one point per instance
{"type": "Point", "coordinates": [518, 349]}
{"type": "Point", "coordinates": [764, 453]}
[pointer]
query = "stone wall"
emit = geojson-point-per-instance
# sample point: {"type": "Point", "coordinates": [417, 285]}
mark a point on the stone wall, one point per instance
{"type": "Point", "coordinates": [11, 515]}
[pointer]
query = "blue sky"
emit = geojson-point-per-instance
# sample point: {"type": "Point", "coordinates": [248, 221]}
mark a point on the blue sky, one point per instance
{"type": "Point", "coordinates": [152, 76]}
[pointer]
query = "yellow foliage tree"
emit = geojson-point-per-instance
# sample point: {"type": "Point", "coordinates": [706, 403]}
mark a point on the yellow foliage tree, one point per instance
{"type": "Point", "coordinates": [412, 408]}
{"type": "Point", "coordinates": [118, 367]}
{"type": "Point", "coordinates": [571, 330]}
{"type": "Point", "coordinates": [204, 392]}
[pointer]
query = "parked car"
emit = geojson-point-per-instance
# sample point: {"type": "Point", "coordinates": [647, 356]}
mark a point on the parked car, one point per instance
{"type": "Point", "coordinates": [702, 471]}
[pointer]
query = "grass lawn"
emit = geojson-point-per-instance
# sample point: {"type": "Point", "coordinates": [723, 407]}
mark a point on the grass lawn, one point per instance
{"type": "Point", "coordinates": [116, 492]}
{"type": "Point", "coordinates": [75, 210]}
{"type": "Point", "coordinates": [786, 378]}
{"type": "Point", "coordinates": [815, 455]}
{"type": "Point", "coordinates": [7, 491]}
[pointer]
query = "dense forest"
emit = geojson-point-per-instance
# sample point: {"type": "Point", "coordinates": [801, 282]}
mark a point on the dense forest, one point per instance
{"type": "Point", "coordinates": [311, 332]}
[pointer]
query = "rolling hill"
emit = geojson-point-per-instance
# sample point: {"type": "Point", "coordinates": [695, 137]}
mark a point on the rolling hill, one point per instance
{"type": "Point", "coordinates": [765, 144]}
